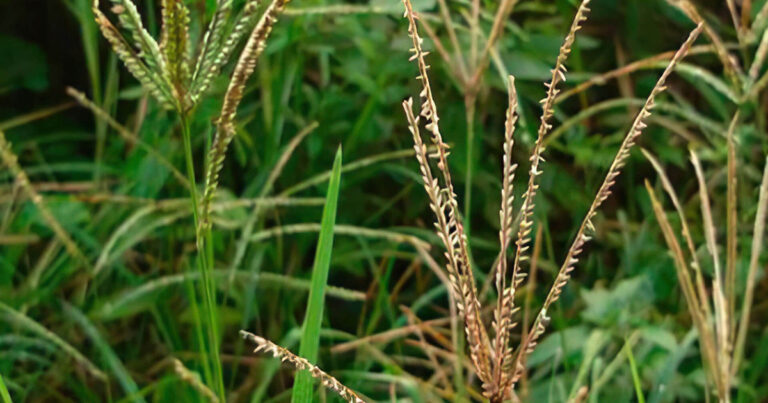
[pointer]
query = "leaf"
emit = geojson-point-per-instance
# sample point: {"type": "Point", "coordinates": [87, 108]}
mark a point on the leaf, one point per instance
{"type": "Point", "coordinates": [310, 338]}
{"type": "Point", "coordinates": [4, 392]}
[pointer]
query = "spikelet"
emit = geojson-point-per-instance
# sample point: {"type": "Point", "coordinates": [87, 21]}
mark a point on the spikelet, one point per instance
{"type": "Point", "coordinates": [130, 20]}
{"type": "Point", "coordinates": [212, 39]}
{"type": "Point", "coordinates": [225, 130]}
{"type": "Point", "coordinates": [12, 162]}
{"type": "Point", "coordinates": [150, 79]}
{"type": "Point", "coordinates": [451, 231]}
{"type": "Point", "coordinates": [209, 68]}
{"type": "Point", "coordinates": [582, 238]}
{"type": "Point", "coordinates": [174, 43]}
{"type": "Point", "coordinates": [505, 305]}
{"type": "Point", "coordinates": [301, 364]}
{"type": "Point", "coordinates": [526, 210]}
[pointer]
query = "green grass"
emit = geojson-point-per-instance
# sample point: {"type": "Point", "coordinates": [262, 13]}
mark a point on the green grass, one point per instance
{"type": "Point", "coordinates": [310, 338]}
{"type": "Point", "coordinates": [4, 392]}
{"type": "Point", "coordinates": [335, 73]}
{"type": "Point", "coordinates": [635, 373]}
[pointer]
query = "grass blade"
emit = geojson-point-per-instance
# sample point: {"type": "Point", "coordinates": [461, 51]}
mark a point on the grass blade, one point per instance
{"type": "Point", "coordinates": [24, 321]}
{"type": "Point", "coordinates": [310, 338]}
{"type": "Point", "coordinates": [635, 374]}
{"type": "Point", "coordinates": [108, 354]}
{"type": "Point", "coordinates": [4, 392]}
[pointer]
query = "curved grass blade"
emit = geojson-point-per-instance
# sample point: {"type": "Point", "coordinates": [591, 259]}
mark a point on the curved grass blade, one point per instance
{"type": "Point", "coordinates": [108, 354]}
{"type": "Point", "coordinates": [26, 322]}
{"type": "Point", "coordinates": [4, 392]}
{"type": "Point", "coordinates": [310, 338]}
{"type": "Point", "coordinates": [134, 300]}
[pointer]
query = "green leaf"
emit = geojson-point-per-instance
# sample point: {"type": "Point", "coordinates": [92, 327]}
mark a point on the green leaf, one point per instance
{"type": "Point", "coordinates": [635, 373]}
{"type": "Point", "coordinates": [4, 392]}
{"type": "Point", "coordinates": [310, 338]}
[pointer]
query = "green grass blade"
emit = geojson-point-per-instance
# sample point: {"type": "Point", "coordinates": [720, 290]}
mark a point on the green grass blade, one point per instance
{"type": "Point", "coordinates": [108, 354]}
{"type": "Point", "coordinates": [310, 338]}
{"type": "Point", "coordinates": [13, 316]}
{"type": "Point", "coordinates": [635, 373]}
{"type": "Point", "coordinates": [4, 392]}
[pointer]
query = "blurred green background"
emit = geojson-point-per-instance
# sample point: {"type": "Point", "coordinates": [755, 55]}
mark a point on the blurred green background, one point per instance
{"type": "Point", "coordinates": [345, 66]}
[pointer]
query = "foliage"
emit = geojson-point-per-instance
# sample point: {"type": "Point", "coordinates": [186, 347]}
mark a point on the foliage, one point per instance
{"type": "Point", "coordinates": [101, 293]}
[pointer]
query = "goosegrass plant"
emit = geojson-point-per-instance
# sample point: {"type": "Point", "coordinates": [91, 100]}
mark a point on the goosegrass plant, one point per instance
{"type": "Point", "coordinates": [168, 70]}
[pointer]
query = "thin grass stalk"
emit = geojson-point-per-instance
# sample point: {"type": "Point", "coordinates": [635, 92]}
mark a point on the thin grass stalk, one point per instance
{"type": "Point", "coordinates": [649, 62]}
{"type": "Point", "coordinates": [445, 206]}
{"type": "Point", "coordinates": [701, 319]}
{"type": "Point", "coordinates": [191, 379]}
{"type": "Point", "coordinates": [571, 259]}
{"type": "Point", "coordinates": [760, 55]}
{"type": "Point", "coordinates": [531, 286]}
{"type": "Point", "coordinates": [12, 162]}
{"type": "Point", "coordinates": [734, 17]}
{"type": "Point", "coordinates": [126, 134]}
{"type": "Point", "coordinates": [731, 248]}
{"type": "Point", "coordinates": [470, 109]}
{"type": "Point", "coordinates": [722, 321]}
{"type": "Point", "coordinates": [205, 264]}
{"type": "Point", "coordinates": [497, 29]}
{"type": "Point", "coordinates": [448, 22]}
{"type": "Point", "coordinates": [438, 203]}
{"type": "Point", "coordinates": [526, 210]}
{"type": "Point", "coordinates": [686, 232]}
{"type": "Point", "coordinates": [746, 14]}
{"type": "Point", "coordinates": [300, 364]}
{"type": "Point", "coordinates": [255, 215]}
{"type": "Point", "coordinates": [731, 66]}
{"type": "Point", "coordinates": [505, 299]}
{"type": "Point", "coordinates": [758, 234]}
{"type": "Point", "coordinates": [761, 20]}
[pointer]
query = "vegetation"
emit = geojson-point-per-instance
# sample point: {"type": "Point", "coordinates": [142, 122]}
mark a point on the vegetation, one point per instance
{"type": "Point", "coordinates": [151, 219]}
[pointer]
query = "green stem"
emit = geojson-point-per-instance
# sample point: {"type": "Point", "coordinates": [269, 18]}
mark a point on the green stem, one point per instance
{"type": "Point", "coordinates": [469, 103]}
{"type": "Point", "coordinates": [205, 264]}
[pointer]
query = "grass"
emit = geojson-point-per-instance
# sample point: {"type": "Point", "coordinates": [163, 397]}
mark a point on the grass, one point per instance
{"type": "Point", "coordinates": [310, 337]}
{"type": "Point", "coordinates": [164, 182]}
